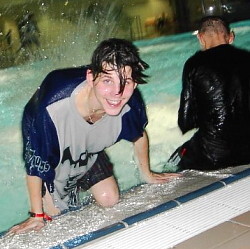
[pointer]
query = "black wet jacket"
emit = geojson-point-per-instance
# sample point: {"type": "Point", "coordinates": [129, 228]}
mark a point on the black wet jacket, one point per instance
{"type": "Point", "coordinates": [216, 99]}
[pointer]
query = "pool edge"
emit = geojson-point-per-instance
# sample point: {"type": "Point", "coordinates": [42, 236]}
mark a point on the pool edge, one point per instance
{"type": "Point", "coordinates": [125, 223]}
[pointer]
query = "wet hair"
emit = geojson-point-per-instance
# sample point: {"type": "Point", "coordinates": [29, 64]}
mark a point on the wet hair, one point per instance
{"type": "Point", "coordinates": [214, 24]}
{"type": "Point", "coordinates": [118, 53]}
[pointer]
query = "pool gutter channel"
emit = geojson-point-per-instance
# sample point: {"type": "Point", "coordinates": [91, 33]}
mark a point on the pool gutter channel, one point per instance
{"type": "Point", "coordinates": [128, 222]}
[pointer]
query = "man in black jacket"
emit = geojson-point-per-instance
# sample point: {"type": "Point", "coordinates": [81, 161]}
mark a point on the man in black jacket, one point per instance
{"type": "Point", "coordinates": [215, 99]}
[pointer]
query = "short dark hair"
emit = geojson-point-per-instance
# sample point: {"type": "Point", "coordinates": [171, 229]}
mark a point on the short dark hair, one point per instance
{"type": "Point", "coordinates": [119, 53]}
{"type": "Point", "coordinates": [214, 23]}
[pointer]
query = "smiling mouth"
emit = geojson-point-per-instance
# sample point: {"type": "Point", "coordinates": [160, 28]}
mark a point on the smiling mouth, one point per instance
{"type": "Point", "coordinates": [114, 102]}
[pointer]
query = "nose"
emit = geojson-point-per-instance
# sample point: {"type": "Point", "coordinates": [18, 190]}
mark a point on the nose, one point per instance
{"type": "Point", "coordinates": [117, 88]}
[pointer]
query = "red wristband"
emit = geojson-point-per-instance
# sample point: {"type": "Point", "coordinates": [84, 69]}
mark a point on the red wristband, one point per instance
{"type": "Point", "coordinates": [36, 215]}
{"type": "Point", "coordinates": [47, 217]}
{"type": "Point", "coordinates": [42, 215]}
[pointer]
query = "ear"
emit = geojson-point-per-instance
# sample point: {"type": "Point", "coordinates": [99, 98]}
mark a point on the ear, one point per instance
{"type": "Point", "coordinates": [135, 85]}
{"type": "Point", "coordinates": [201, 40]}
{"type": "Point", "coordinates": [231, 37]}
{"type": "Point", "coordinates": [89, 77]}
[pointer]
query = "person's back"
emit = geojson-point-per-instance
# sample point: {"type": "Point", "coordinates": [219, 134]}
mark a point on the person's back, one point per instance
{"type": "Point", "coordinates": [215, 99]}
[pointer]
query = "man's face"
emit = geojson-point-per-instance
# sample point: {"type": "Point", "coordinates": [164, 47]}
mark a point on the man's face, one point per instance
{"type": "Point", "coordinates": [106, 88]}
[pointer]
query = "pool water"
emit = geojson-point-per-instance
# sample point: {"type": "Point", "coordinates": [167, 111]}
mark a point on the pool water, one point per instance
{"type": "Point", "coordinates": [166, 57]}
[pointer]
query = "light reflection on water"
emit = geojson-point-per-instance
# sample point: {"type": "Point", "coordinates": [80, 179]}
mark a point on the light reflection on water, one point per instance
{"type": "Point", "coordinates": [166, 57]}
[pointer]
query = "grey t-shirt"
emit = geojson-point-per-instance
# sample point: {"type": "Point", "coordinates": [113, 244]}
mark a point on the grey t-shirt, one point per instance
{"type": "Point", "coordinates": [77, 137]}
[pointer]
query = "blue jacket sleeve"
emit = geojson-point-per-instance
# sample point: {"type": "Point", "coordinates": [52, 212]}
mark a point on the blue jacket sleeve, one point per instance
{"type": "Point", "coordinates": [135, 120]}
{"type": "Point", "coordinates": [40, 143]}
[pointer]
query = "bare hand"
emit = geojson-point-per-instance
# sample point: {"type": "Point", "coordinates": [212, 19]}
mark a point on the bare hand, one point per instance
{"type": "Point", "coordinates": [161, 177]}
{"type": "Point", "coordinates": [30, 224]}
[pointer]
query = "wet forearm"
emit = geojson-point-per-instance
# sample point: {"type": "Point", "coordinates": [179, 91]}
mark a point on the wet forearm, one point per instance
{"type": "Point", "coordinates": [142, 152]}
{"type": "Point", "coordinates": [34, 185]}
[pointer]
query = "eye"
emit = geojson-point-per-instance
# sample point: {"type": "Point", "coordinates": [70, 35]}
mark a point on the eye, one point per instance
{"type": "Point", "coordinates": [129, 81]}
{"type": "Point", "coordinates": [107, 81]}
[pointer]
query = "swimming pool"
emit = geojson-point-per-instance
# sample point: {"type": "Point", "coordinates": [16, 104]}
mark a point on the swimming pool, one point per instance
{"type": "Point", "coordinates": [166, 56]}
